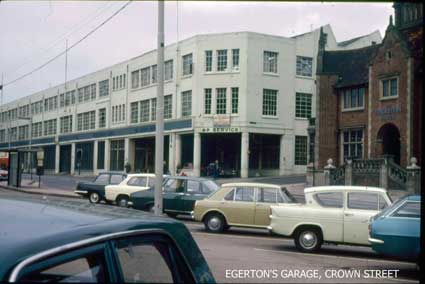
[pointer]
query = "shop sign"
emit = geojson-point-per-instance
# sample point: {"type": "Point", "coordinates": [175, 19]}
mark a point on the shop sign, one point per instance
{"type": "Point", "coordinates": [222, 120]}
{"type": "Point", "coordinates": [220, 129]}
{"type": "Point", "coordinates": [387, 113]}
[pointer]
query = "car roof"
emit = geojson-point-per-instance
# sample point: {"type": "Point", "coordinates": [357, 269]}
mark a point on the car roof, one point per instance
{"type": "Point", "coordinates": [189, 177]}
{"type": "Point", "coordinates": [33, 226]}
{"type": "Point", "coordinates": [343, 188]}
{"type": "Point", "coordinates": [413, 197]}
{"type": "Point", "coordinates": [250, 184]}
{"type": "Point", "coordinates": [142, 175]}
{"type": "Point", "coordinates": [113, 172]}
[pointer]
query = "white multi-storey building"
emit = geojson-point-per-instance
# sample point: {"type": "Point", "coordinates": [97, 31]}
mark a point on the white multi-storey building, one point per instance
{"type": "Point", "coordinates": [241, 98]}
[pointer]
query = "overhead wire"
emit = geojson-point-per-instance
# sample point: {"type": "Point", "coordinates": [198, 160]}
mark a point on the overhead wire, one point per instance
{"type": "Point", "coordinates": [69, 48]}
{"type": "Point", "coordinates": [54, 43]}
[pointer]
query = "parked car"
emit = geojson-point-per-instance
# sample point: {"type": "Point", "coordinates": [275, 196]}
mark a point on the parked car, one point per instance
{"type": "Point", "coordinates": [333, 214]}
{"type": "Point", "coordinates": [396, 231]}
{"type": "Point", "coordinates": [120, 193]}
{"type": "Point", "coordinates": [74, 242]}
{"type": "Point", "coordinates": [179, 194]}
{"type": "Point", "coordinates": [3, 174]}
{"type": "Point", "coordinates": [240, 205]}
{"type": "Point", "coordinates": [95, 190]}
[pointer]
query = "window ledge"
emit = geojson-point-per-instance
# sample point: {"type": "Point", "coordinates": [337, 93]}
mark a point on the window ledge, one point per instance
{"type": "Point", "coordinates": [352, 109]}
{"type": "Point", "coordinates": [270, 116]}
{"type": "Point", "coordinates": [301, 118]}
{"type": "Point", "coordinates": [271, 74]}
{"type": "Point", "coordinates": [388, 98]}
{"type": "Point", "coordinates": [304, 77]}
{"type": "Point", "coordinates": [221, 72]}
{"type": "Point", "coordinates": [186, 76]}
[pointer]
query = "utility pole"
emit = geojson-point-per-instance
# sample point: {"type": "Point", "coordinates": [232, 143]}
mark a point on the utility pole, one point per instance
{"type": "Point", "coordinates": [1, 89]}
{"type": "Point", "coordinates": [159, 135]}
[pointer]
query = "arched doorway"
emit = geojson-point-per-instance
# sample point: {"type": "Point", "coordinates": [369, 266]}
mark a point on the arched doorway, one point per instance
{"type": "Point", "coordinates": [389, 137]}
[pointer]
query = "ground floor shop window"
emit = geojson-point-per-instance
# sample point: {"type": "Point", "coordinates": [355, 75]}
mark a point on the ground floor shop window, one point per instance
{"type": "Point", "coordinates": [301, 150]}
{"type": "Point", "coordinates": [353, 143]}
{"type": "Point", "coordinates": [264, 151]}
{"type": "Point", "coordinates": [117, 155]}
{"type": "Point", "coordinates": [101, 155]}
{"type": "Point", "coordinates": [84, 156]}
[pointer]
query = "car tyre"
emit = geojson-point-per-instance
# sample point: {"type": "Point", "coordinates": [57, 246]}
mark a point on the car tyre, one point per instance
{"type": "Point", "coordinates": [122, 201]}
{"type": "Point", "coordinates": [214, 223]}
{"type": "Point", "coordinates": [150, 208]}
{"type": "Point", "coordinates": [308, 239]}
{"type": "Point", "coordinates": [94, 197]}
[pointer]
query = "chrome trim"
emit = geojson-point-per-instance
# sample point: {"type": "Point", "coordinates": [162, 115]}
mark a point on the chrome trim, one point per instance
{"type": "Point", "coordinates": [18, 268]}
{"type": "Point", "coordinates": [81, 191]}
{"type": "Point", "coordinates": [269, 228]}
{"type": "Point", "coordinates": [375, 241]}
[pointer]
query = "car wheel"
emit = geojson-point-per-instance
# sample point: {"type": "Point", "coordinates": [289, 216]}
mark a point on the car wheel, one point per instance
{"type": "Point", "coordinates": [308, 239]}
{"type": "Point", "coordinates": [214, 223]}
{"type": "Point", "coordinates": [94, 197]}
{"type": "Point", "coordinates": [122, 201]}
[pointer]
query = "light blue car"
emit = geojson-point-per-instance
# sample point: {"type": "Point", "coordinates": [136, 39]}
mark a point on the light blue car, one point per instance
{"type": "Point", "coordinates": [395, 231]}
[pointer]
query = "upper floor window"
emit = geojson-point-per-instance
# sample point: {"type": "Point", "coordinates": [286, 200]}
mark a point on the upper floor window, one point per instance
{"type": "Point", "coordinates": [235, 58]}
{"type": "Point", "coordinates": [118, 82]}
{"type": "Point", "coordinates": [168, 72]}
{"type": "Point", "coordinates": [145, 76]}
{"type": "Point", "coordinates": [102, 117]}
{"type": "Point", "coordinates": [135, 79]}
{"type": "Point", "coordinates": [187, 64]}
{"type": "Point", "coordinates": [186, 103]}
{"type": "Point", "coordinates": [304, 66]}
{"type": "Point", "coordinates": [270, 62]}
{"type": "Point", "coordinates": [353, 98]}
{"type": "Point", "coordinates": [389, 88]}
{"type": "Point", "coordinates": [65, 124]}
{"type": "Point", "coordinates": [208, 60]}
{"type": "Point", "coordinates": [153, 109]}
{"type": "Point", "coordinates": [154, 74]}
{"type": "Point", "coordinates": [235, 100]}
{"type": "Point", "coordinates": [207, 101]}
{"type": "Point", "coordinates": [221, 60]}
{"type": "Point", "coordinates": [301, 150]}
{"type": "Point", "coordinates": [221, 101]}
{"type": "Point", "coordinates": [134, 112]}
{"type": "Point", "coordinates": [104, 88]}
{"type": "Point", "coordinates": [269, 102]}
{"type": "Point", "coordinates": [168, 106]}
{"type": "Point", "coordinates": [303, 105]}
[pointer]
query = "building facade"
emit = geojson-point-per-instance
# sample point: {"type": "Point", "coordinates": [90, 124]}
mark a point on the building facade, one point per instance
{"type": "Point", "coordinates": [369, 100]}
{"type": "Point", "coordinates": [243, 99]}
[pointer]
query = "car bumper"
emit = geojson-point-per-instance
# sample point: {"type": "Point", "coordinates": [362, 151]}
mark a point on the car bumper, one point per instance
{"type": "Point", "coordinates": [375, 241]}
{"type": "Point", "coordinates": [82, 192]}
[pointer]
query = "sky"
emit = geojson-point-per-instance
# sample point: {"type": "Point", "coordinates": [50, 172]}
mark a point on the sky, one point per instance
{"type": "Point", "coordinates": [33, 32]}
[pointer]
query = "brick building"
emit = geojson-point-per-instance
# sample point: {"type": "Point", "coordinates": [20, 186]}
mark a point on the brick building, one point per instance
{"type": "Point", "coordinates": [369, 100]}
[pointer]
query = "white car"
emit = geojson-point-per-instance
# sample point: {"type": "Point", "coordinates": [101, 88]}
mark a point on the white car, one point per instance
{"type": "Point", "coordinates": [332, 214]}
{"type": "Point", "coordinates": [120, 193]}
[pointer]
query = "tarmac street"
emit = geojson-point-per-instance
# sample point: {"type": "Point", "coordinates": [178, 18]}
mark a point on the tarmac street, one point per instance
{"type": "Point", "coordinates": [254, 256]}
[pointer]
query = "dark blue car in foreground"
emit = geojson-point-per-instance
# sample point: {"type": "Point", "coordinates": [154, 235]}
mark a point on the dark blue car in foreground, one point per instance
{"type": "Point", "coordinates": [395, 231]}
{"type": "Point", "coordinates": [70, 241]}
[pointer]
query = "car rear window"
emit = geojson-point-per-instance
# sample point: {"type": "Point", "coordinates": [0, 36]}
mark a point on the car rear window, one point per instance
{"type": "Point", "coordinates": [244, 194]}
{"type": "Point", "coordinates": [329, 199]}
{"type": "Point", "coordinates": [208, 187]}
{"type": "Point", "coordinates": [266, 195]}
{"type": "Point", "coordinates": [102, 179]}
{"type": "Point", "coordinates": [137, 181]}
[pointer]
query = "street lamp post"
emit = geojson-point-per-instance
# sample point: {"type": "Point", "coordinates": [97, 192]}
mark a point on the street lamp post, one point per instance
{"type": "Point", "coordinates": [159, 135]}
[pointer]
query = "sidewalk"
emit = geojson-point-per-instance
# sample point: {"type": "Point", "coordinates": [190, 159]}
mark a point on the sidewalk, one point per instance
{"type": "Point", "coordinates": [32, 187]}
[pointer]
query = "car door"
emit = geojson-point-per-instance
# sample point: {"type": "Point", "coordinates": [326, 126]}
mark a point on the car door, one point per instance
{"type": "Point", "coordinates": [264, 198]}
{"type": "Point", "coordinates": [193, 193]}
{"type": "Point", "coordinates": [174, 190]}
{"type": "Point", "coordinates": [86, 265]}
{"type": "Point", "coordinates": [242, 209]}
{"type": "Point", "coordinates": [360, 206]}
{"type": "Point", "coordinates": [330, 214]}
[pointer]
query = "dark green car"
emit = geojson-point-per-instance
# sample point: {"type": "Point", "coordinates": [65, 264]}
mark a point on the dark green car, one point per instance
{"type": "Point", "coordinates": [71, 241]}
{"type": "Point", "coordinates": [179, 194]}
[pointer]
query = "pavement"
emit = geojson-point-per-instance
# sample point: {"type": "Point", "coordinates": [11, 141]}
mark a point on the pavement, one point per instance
{"type": "Point", "coordinates": [64, 185]}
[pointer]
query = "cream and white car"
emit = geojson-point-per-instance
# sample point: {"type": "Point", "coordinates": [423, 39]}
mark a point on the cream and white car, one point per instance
{"type": "Point", "coordinates": [120, 193]}
{"type": "Point", "coordinates": [332, 214]}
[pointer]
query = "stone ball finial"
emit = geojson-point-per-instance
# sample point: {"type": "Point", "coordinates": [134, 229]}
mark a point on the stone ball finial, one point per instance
{"type": "Point", "coordinates": [413, 161]}
{"type": "Point", "coordinates": [330, 162]}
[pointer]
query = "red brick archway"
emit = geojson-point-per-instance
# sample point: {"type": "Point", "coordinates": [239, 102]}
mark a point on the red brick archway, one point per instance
{"type": "Point", "coordinates": [389, 138]}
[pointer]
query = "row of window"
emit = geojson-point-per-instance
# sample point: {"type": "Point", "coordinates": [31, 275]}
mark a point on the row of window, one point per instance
{"type": "Point", "coordinates": [119, 82]}
{"type": "Point", "coordinates": [145, 110]}
{"type": "Point", "coordinates": [221, 99]}
{"type": "Point", "coordinates": [149, 75]}
{"type": "Point", "coordinates": [118, 113]}
{"type": "Point", "coordinates": [221, 60]}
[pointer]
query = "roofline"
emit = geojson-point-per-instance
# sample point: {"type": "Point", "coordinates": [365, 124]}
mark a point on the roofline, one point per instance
{"type": "Point", "coordinates": [230, 184]}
